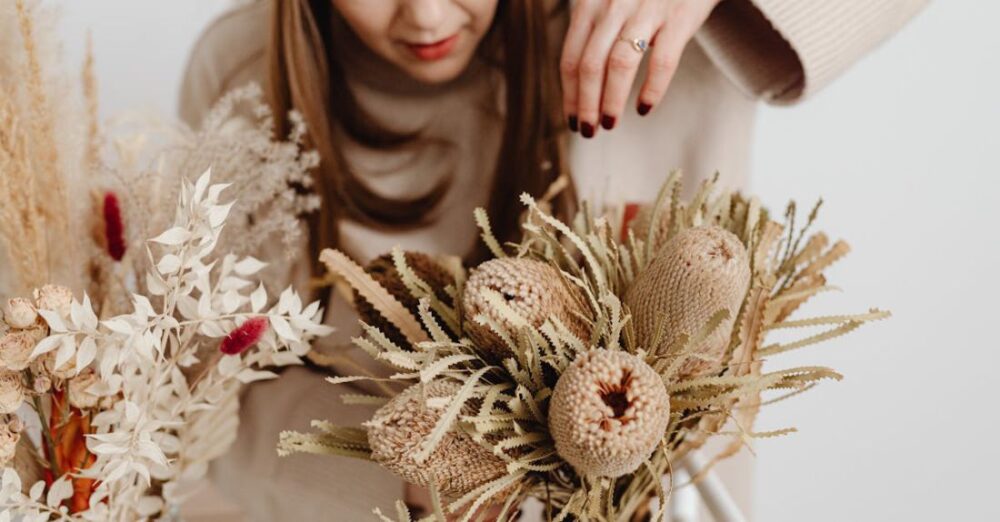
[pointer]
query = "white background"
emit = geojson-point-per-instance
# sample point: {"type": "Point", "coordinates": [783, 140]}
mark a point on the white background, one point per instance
{"type": "Point", "coordinates": [903, 149]}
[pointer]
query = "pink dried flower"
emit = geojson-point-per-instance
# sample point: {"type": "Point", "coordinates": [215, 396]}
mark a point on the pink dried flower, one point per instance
{"type": "Point", "coordinates": [244, 336]}
{"type": "Point", "coordinates": [114, 227]}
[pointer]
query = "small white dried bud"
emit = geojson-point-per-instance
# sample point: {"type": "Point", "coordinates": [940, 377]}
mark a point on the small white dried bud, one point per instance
{"type": "Point", "coordinates": [16, 348]}
{"type": "Point", "coordinates": [11, 392]}
{"type": "Point", "coordinates": [15, 424]}
{"type": "Point", "coordinates": [66, 371]}
{"type": "Point", "coordinates": [8, 443]}
{"type": "Point", "coordinates": [42, 384]}
{"type": "Point", "coordinates": [20, 313]}
{"type": "Point", "coordinates": [54, 297]}
{"type": "Point", "coordinates": [79, 391]}
{"type": "Point", "coordinates": [608, 412]}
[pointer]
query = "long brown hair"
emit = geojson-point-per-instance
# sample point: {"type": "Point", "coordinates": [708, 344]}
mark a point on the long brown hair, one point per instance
{"type": "Point", "coordinates": [304, 75]}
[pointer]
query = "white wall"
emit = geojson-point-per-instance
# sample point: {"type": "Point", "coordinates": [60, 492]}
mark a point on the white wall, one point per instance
{"type": "Point", "coordinates": [903, 150]}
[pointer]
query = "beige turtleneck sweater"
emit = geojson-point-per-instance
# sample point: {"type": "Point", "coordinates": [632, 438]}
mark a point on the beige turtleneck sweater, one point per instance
{"type": "Point", "coordinates": [778, 51]}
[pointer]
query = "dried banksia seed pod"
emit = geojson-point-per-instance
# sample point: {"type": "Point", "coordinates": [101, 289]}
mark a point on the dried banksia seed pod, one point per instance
{"type": "Point", "coordinates": [20, 313]}
{"type": "Point", "coordinates": [608, 412]}
{"type": "Point", "coordinates": [398, 430]}
{"type": "Point", "coordinates": [11, 392]}
{"type": "Point", "coordinates": [532, 288]}
{"type": "Point", "coordinates": [54, 297]}
{"type": "Point", "coordinates": [383, 271]}
{"type": "Point", "coordinates": [698, 272]}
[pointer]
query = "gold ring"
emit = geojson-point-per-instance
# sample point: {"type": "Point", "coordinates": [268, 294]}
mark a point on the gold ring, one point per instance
{"type": "Point", "coordinates": [639, 44]}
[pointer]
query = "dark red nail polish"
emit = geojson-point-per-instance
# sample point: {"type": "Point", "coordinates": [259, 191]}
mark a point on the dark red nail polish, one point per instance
{"type": "Point", "coordinates": [608, 122]}
{"type": "Point", "coordinates": [644, 109]}
{"type": "Point", "coordinates": [573, 125]}
{"type": "Point", "coordinates": [587, 130]}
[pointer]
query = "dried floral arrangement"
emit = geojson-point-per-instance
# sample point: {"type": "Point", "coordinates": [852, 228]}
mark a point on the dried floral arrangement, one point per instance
{"type": "Point", "coordinates": [129, 320]}
{"type": "Point", "coordinates": [580, 363]}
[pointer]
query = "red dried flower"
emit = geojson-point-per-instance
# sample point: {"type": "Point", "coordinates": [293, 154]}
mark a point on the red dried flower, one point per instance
{"type": "Point", "coordinates": [114, 228]}
{"type": "Point", "coordinates": [244, 336]}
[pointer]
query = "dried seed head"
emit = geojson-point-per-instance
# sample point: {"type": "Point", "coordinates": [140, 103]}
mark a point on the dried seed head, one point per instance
{"type": "Point", "coordinates": [383, 271]}
{"type": "Point", "coordinates": [532, 288]}
{"type": "Point", "coordinates": [8, 443]}
{"type": "Point", "coordinates": [54, 297]}
{"type": "Point", "coordinates": [608, 412]}
{"type": "Point", "coordinates": [244, 336]}
{"type": "Point", "coordinates": [398, 430]}
{"type": "Point", "coordinates": [20, 313]}
{"type": "Point", "coordinates": [15, 350]}
{"type": "Point", "coordinates": [698, 272]}
{"type": "Point", "coordinates": [80, 395]}
{"type": "Point", "coordinates": [11, 392]}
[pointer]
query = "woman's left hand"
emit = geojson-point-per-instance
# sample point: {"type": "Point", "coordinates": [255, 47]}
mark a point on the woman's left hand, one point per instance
{"type": "Point", "coordinates": [603, 49]}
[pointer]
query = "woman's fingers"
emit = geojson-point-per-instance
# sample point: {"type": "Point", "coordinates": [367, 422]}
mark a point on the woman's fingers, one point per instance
{"type": "Point", "coordinates": [681, 23]}
{"type": "Point", "coordinates": [623, 63]}
{"type": "Point", "coordinates": [594, 64]}
{"type": "Point", "coordinates": [580, 26]}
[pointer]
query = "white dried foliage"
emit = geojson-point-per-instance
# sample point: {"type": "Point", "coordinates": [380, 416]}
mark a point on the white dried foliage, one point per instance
{"type": "Point", "coordinates": [155, 423]}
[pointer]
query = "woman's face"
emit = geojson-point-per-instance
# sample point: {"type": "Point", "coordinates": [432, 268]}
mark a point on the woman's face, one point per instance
{"type": "Point", "coordinates": [431, 40]}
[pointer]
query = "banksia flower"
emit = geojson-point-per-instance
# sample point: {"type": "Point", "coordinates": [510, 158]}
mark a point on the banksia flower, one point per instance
{"type": "Point", "coordinates": [11, 392]}
{"type": "Point", "coordinates": [383, 271]}
{"type": "Point", "coordinates": [608, 412]}
{"type": "Point", "coordinates": [532, 288]}
{"type": "Point", "coordinates": [54, 297]}
{"type": "Point", "coordinates": [20, 313]}
{"type": "Point", "coordinates": [244, 336]}
{"type": "Point", "coordinates": [398, 430]}
{"type": "Point", "coordinates": [114, 227]}
{"type": "Point", "coordinates": [698, 272]}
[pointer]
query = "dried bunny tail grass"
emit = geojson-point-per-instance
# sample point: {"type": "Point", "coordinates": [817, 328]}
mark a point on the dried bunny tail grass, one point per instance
{"type": "Point", "coordinates": [608, 412]}
{"type": "Point", "coordinates": [383, 270]}
{"type": "Point", "coordinates": [398, 431]}
{"type": "Point", "coordinates": [533, 289]}
{"type": "Point", "coordinates": [699, 272]}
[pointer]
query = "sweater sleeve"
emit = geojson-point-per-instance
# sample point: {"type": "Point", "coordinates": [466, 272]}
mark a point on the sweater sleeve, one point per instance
{"type": "Point", "coordinates": [783, 51]}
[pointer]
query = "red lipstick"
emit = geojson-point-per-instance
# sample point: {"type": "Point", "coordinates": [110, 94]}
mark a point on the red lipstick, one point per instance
{"type": "Point", "coordinates": [433, 51]}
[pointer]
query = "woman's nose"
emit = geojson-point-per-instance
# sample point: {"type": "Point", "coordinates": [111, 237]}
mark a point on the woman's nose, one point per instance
{"type": "Point", "coordinates": [424, 14]}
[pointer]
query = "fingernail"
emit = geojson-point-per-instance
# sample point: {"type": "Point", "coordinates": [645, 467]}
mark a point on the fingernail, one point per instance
{"type": "Point", "coordinates": [587, 130]}
{"type": "Point", "coordinates": [608, 122]}
{"type": "Point", "coordinates": [573, 126]}
{"type": "Point", "coordinates": [644, 108]}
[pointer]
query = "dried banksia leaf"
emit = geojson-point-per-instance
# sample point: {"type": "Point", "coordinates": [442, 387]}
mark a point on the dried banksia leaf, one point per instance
{"type": "Point", "coordinates": [532, 288]}
{"type": "Point", "coordinates": [383, 271]}
{"type": "Point", "coordinates": [11, 392]}
{"type": "Point", "coordinates": [398, 430]}
{"type": "Point", "coordinates": [699, 272]}
{"type": "Point", "coordinates": [608, 412]}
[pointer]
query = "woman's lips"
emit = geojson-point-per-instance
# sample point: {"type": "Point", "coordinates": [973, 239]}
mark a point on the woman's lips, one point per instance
{"type": "Point", "coordinates": [433, 51]}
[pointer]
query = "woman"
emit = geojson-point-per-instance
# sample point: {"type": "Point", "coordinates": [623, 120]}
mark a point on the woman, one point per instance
{"type": "Point", "coordinates": [425, 109]}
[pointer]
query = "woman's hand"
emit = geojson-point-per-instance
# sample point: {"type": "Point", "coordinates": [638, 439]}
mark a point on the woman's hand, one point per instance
{"type": "Point", "coordinates": [603, 49]}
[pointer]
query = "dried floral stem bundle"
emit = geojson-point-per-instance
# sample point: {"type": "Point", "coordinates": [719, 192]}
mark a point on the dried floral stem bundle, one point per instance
{"type": "Point", "coordinates": [588, 357]}
{"type": "Point", "coordinates": [129, 321]}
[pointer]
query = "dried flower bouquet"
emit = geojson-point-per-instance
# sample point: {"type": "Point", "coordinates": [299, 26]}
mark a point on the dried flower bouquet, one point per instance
{"type": "Point", "coordinates": [580, 363]}
{"type": "Point", "coordinates": [129, 320]}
